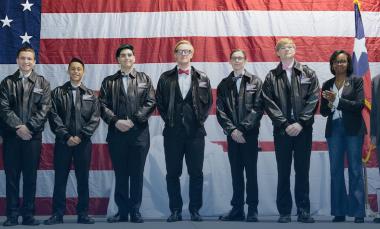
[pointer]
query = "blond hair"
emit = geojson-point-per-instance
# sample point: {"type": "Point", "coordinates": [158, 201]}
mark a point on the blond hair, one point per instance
{"type": "Point", "coordinates": [284, 41]}
{"type": "Point", "coordinates": [181, 42]}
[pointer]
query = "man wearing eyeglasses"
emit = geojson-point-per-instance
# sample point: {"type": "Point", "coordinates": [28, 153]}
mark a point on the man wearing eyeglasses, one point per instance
{"type": "Point", "coordinates": [291, 94]}
{"type": "Point", "coordinates": [239, 110]}
{"type": "Point", "coordinates": [127, 100]}
{"type": "Point", "coordinates": [184, 99]}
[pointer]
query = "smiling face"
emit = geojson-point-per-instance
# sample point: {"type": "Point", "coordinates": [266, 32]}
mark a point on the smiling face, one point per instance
{"type": "Point", "coordinates": [286, 51]}
{"type": "Point", "coordinates": [126, 59]}
{"type": "Point", "coordinates": [340, 64]}
{"type": "Point", "coordinates": [184, 54]}
{"type": "Point", "coordinates": [237, 61]}
{"type": "Point", "coordinates": [26, 61]}
{"type": "Point", "coordinates": [76, 72]}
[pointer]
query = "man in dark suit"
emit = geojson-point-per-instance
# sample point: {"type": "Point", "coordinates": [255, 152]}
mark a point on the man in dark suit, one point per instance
{"type": "Point", "coordinates": [239, 111]}
{"type": "Point", "coordinates": [24, 105]}
{"type": "Point", "coordinates": [375, 121]}
{"type": "Point", "coordinates": [291, 93]}
{"type": "Point", "coordinates": [74, 117]}
{"type": "Point", "coordinates": [183, 100]}
{"type": "Point", "coordinates": [127, 100]}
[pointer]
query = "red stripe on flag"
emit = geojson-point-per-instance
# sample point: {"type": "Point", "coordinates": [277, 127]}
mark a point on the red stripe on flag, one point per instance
{"type": "Point", "coordinates": [269, 146]}
{"type": "Point", "coordinates": [99, 6]}
{"type": "Point", "coordinates": [207, 49]}
{"type": "Point", "coordinates": [97, 206]}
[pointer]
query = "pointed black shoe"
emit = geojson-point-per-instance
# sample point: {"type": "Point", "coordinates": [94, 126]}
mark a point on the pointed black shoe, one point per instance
{"type": "Point", "coordinates": [30, 221]}
{"type": "Point", "coordinates": [54, 219]}
{"type": "Point", "coordinates": [304, 217]}
{"type": "Point", "coordinates": [10, 221]}
{"type": "Point", "coordinates": [85, 219]}
{"type": "Point", "coordinates": [338, 219]}
{"type": "Point", "coordinates": [136, 217]}
{"type": "Point", "coordinates": [376, 220]}
{"type": "Point", "coordinates": [284, 219]}
{"type": "Point", "coordinates": [235, 214]}
{"type": "Point", "coordinates": [359, 220]}
{"type": "Point", "coordinates": [195, 216]}
{"type": "Point", "coordinates": [117, 218]}
{"type": "Point", "coordinates": [252, 216]}
{"type": "Point", "coordinates": [174, 217]}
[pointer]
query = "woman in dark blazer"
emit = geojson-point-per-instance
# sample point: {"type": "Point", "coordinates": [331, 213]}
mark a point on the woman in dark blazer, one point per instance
{"type": "Point", "coordinates": [342, 102]}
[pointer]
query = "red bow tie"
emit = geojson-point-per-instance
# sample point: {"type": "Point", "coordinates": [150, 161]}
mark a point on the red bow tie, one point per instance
{"type": "Point", "coordinates": [180, 71]}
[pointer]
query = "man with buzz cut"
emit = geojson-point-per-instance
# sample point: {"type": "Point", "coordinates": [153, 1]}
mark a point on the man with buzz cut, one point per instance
{"type": "Point", "coordinates": [73, 119]}
{"type": "Point", "coordinates": [24, 105]}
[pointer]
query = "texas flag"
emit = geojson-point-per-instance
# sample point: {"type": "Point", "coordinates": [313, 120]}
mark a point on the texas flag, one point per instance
{"type": "Point", "coordinates": [361, 69]}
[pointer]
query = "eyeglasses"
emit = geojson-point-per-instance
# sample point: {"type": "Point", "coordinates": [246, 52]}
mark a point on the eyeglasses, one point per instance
{"type": "Point", "coordinates": [183, 52]}
{"type": "Point", "coordinates": [340, 62]}
{"type": "Point", "coordinates": [237, 58]}
{"type": "Point", "coordinates": [290, 47]}
{"type": "Point", "coordinates": [123, 55]}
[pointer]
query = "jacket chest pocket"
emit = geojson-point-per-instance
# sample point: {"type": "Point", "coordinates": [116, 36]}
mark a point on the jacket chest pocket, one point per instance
{"type": "Point", "coordinates": [142, 89]}
{"type": "Point", "coordinates": [86, 108]}
{"type": "Point", "coordinates": [203, 95]}
{"type": "Point", "coordinates": [36, 96]}
{"type": "Point", "coordinates": [249, 98]}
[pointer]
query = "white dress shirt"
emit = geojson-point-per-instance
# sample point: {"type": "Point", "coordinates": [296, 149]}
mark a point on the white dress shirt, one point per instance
{"type": "Point", "coordinates": [184, 82]}
{"type": "Point", "coordinates": [238, 81]}
{"type": "Point", "coordinates": [337, 113]}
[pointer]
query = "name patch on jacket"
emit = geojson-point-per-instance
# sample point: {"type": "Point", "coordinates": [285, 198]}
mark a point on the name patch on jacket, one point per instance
{"type": "Point", "coordinates": [203, 84]}
{"type": "Point", "coordinates": [87, 97]}
{"type": "Point", "coordinates": [304, 79]}
{"type": "Point", "coordinates": [38, 90]}
{"type": "Point", "coordinates": [142, 85]}
{"type": "Point", "coordinates": [250, 87]}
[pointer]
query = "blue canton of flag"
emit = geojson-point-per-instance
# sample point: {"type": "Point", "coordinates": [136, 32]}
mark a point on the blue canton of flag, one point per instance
{"type": "Point", "coordinates": [20, 25]}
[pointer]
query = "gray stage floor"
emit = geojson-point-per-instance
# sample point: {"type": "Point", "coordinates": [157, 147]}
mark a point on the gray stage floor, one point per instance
{"type": "Point", "coordinates": [268, 222]}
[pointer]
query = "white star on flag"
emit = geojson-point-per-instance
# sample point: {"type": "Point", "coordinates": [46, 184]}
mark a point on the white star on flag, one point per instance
{"type": "Point", "coordinates": [359, 47]}
{"type": "Point", "coordinates": [6, 21]}
{"type": "Point", "coordinates": [27, 5]}
{"type": "Point", "coordinates": [26, 38]}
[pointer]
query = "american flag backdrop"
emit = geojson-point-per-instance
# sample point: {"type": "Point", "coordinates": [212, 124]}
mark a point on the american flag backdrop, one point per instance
{"type": "Point", "coordinates": [93, 29]}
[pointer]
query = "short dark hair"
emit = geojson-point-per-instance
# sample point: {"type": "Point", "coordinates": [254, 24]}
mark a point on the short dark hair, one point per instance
{"type": "Point", "coordinates": [26, 49]}
{"type": "Point", "coordinates": [238, 50]}
{"type": "Point", "coordinates": [350, 68]}
{"type": "Point", "coordinates": [122, 47]}
{"type": "Point", "coordinates": [76, 59]}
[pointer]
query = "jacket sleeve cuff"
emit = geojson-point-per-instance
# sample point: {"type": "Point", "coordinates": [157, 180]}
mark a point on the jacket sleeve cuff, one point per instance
{"type": "Point", "coordinates": [113, 121]}
{"type": "Point", "coordinates": [66, 137]}
{"type": "Point", "coordinates": [30, 127]}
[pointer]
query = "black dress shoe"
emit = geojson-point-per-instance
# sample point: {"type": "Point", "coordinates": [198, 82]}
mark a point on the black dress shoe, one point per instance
{"type": "Point", "coordinates": [54, 219]}
{"type": "Point", "coordinates": [30, 221]}
{"type": "Point", "coordinates": [284, 219]}
{"type": "Point", "coordinates": [117, 218]}
{"type": "Point", "coordinates": [304, 217]}
{"type": "Point", "coordinates": [236, 214]}
{"type": "Point", "coordinates": [376, 220]}
{"type": "Point", "coordinates": [11, 221]}
{"type": "Point", "coordinates": [252, 216]}
{"type": "Point", "coordinates": [174, 217]}
{"type": "Point", "coordinates": [136, 217]}
{"type": "Point", "coordinates": [195, 216]}
{"type": "Point", "coordinates": [338, 219]}
{"type": "Point", "coordinates": [85, 219]}
{"type": "Point", "coordinates": [359, 220]}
